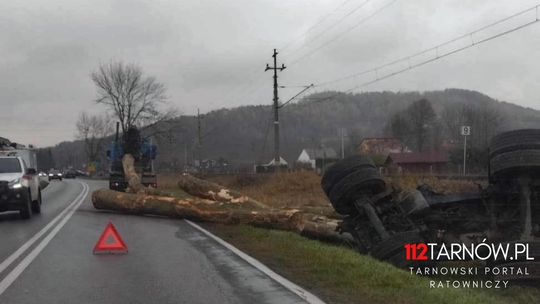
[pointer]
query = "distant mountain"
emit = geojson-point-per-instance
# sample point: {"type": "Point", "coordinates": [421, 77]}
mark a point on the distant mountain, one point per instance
{"type": "Point", "coordinates": [244, 135]}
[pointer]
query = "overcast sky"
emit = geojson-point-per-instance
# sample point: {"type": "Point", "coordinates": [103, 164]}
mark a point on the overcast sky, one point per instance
{"type": "Point", "coordinates": [212, 53]}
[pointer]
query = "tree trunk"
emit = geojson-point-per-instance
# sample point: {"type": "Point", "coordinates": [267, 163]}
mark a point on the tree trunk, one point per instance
{"type": "Point", "coordinates": [133, 179]}
{"type": "Point", "coordinates": [205, 189]}
{"type": "Point", "coordinates": [198, 209]}
{"type": "Point", "coordinates": [212, 191]}
{"type": "Point", "coordinates": [213, 203]}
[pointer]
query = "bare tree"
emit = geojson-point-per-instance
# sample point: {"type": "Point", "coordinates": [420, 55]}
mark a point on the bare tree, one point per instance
{"type": "Point", "coordinates": [484, 120]}
{"type": "Point", "coordinates": [422, 117]}
{"type": "Point", "coordinates": [135, 99]}
{"type": "Point", "coordinates": [92, 129]}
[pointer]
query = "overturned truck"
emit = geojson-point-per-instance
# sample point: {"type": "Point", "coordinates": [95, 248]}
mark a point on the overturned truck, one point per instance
{"type": "Point", "coordinates": [382, 219]}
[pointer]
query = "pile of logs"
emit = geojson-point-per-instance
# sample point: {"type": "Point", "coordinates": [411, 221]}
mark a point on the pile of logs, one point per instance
{"type": "Point", "coordinates": [210, 202]}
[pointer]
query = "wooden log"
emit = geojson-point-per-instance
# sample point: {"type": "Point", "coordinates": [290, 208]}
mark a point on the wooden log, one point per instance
{"type": "Point", "coordinates": [134, 180]}
{"type": "Point", "coordinates": [212, 191]}
{"type": "Point", "coordinates": [199, 209]}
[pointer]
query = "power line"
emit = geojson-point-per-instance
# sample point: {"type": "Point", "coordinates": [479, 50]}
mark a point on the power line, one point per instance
{"type": "Point", "coordinates": [436, 48]}
{"type": "Point", "coordinates": [317, 23]}
{"type": "Point", "coordinates": [328, 28]}
{"type": "Point", "coordinates": [438, 54]}
{"type": "Point", "coordinates": [256, 82]}
{"type": "Point", "coordinates": [292, 98]}
{"type": "Point", "coordinates": [341, 34]}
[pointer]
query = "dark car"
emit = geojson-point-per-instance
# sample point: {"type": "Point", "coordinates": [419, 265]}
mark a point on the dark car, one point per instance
{"type": "Point", "coordinates": [70, 174]}
{"type": "Point", "coordinates": [55, 174]}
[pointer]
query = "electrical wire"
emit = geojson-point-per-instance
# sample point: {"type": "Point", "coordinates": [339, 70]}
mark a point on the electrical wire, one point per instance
{"type": "Point", "coordinates": [343, 33]}
{"type": "Point", "coordinates": [436, 47]}
{"type": "Point", "coordinates": [333, 25]}
{"type": "Point", "coordinates": [292, 98]}
{"type": "Point", "coordinates": [438, 55]}
{"type": "Point", "coordinates": [316, 24]}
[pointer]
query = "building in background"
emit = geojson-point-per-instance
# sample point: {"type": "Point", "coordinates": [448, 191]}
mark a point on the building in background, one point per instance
{"type": "Point", "coordinates": [317, 159]}
{"type": "Point", "coordinates": [271, 166]}
{"type": "Point", "coordinates": [434, 162]}
{"type": "Point", "coordinates": [381, 146]}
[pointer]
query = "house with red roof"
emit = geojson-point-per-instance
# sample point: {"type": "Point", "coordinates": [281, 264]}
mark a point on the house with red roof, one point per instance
{"type": "Point", "coordinates": [431, 162]}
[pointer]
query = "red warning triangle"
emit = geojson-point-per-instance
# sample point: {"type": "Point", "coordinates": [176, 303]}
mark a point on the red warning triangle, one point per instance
{"type": "Point", "coordinates": [110, 241]}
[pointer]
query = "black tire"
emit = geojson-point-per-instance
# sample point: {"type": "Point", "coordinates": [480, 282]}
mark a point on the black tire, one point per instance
{"type": "Point", "coordinates": [366, 181]}
{"type": "Point", "coordinates": [26, 211]}
{"type": "Point", "coordinates": [525, 139]}
{"type": "Point", "coordinates": [342, 168]}
{"type": "Point", "coordinates": [392, 249]}
{"type": "Point", "coordinates": [515, 163]}
{"type": "Point", "coordinates": [36, 205]}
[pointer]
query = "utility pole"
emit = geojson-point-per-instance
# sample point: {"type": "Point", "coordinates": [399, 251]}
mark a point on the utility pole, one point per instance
{"type": "Point", "coordinates": [199, 138]}
{"type": "Point", "coordinates": [342, 133]}
{"type": "Point", "coordinates": [185, 157]}
{"type": "Point", "coordinates": [465, 131]}
{"type": "Point", "coordinates": [277, 156]}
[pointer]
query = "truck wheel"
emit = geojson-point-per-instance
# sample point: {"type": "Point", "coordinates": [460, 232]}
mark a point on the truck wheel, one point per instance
{"type": "Point", "coordinates": [339, 170]}
{"type": "Point", "coordinates": [36, 205]}
{"type": "Point", "coordinates": [366, 181]}
{"type": "Point", "coordinates": [525, 139]}
{"type": "Point", "coordinates": [515, 163]}
{"type": "Point", "coordinates": [392, 249]}
{"type": "Point", "coordinates": [26, 211]}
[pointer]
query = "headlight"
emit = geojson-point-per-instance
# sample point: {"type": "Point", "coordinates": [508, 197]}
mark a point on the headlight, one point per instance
{"type": "Point", "coordinates": [50, 174]}
{"type": "Point", "coordinates": [59, 174]}
{"type": "Point", "coordinates": [16, 184]}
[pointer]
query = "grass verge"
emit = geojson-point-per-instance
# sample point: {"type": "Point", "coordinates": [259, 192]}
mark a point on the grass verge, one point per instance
{"type": "Point", "coordinates": [340, 275]}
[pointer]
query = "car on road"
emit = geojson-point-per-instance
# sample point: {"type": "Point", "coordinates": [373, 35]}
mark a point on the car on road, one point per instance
{"type": "Point", "coordinates": [55, 174]}
{"type": "Point", "coordinates": [70, 174]}
{"type": "Point", "coordinates": [19, 187]}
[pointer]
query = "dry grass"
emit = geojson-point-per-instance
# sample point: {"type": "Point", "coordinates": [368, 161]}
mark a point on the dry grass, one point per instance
{"type": "Point", "coordinates": [168, 181]}
{"type": "Point", "coordinates": [409, 182]}
{"type": "Point", "coordinates": [303, 188]}
{"type": "Point", "coordinates": [293, 190]}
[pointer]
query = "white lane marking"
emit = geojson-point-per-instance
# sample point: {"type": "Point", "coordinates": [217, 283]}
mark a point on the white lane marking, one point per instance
{"type": "Point", "coordinates": [15, 255]}
{"type": "Point", "coordinates": [302, 293]}
{"type": "Point", "coordinates": [19, 269]}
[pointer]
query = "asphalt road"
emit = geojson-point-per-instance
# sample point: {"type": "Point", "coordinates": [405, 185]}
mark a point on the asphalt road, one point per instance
{"type": "Point", "coordinates": [49, 259]}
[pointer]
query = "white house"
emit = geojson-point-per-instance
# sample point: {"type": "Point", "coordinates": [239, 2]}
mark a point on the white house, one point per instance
{"type": "Point", "coordinates": [317, 159]}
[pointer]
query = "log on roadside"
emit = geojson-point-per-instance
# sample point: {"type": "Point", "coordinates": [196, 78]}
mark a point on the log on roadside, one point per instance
{"type": "Point", "coordinates": [209, 190]}
{"type": "Point", "coordinates": [212, 191]}
{"type": "Point", "coordinates": [198, 209]}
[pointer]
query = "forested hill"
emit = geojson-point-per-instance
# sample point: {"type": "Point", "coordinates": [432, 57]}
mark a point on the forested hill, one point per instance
{"type": "Point", "coordinates": [244, 135]}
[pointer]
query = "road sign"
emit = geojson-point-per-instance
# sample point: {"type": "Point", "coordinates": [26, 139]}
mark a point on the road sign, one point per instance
{"type": "Point", "coordinates": [91, 168]}
{"type": "Point", "coordinates": [465, 130]}
{"type": "Point", "coordinates": [110, 242]}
